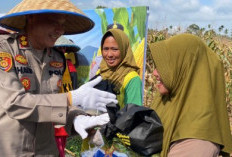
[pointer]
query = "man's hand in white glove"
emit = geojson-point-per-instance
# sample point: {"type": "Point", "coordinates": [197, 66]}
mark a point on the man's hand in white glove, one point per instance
{"type": "Point", "coordinates": [82, 123]}
{"type": "Point", "coordinates": [91, 98]}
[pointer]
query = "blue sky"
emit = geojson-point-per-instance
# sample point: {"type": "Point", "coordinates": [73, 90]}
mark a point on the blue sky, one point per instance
{"type": "Point", "coordinates": [164, 13]}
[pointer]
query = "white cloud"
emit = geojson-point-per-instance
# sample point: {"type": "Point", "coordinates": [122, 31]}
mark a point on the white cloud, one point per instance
{"type": "Point", "coordinates": [222, 3]}
{"type": "Point", "coordinates": [205, 13]}
{"type": "Point", "coordinates": [184, 5]}
{"type": "Point", "coordinates": [223, 7]}
{"type": "Point", "coordinates": [163, 13]}
{"type": "Point", "coordinates": [106, 3]}
{"type": "Point", "coordinates": [109, 4]}
{"type": "Point", "coordinates": [151, 3]}
{"type": "Point", "coordinates": [182, 13]}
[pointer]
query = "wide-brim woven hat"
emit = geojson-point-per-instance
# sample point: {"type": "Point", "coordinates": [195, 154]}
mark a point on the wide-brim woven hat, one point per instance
{"type": "Point", "coordinates": [76, 20]}
{"type": "Point", "coordinates": [5, 31]}
{"type": "Point", "coordinates": [69, 44]}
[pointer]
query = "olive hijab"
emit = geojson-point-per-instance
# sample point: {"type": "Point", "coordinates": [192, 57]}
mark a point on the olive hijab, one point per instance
{"type": "Point", "coordinates": [195, 106]}
{"type": "Point", "coordinates": [116, 74]}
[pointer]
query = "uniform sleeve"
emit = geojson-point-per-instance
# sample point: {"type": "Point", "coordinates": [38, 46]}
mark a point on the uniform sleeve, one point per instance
{"type": "Point", "coordinates": [133, 92]}
{"type": "Point", "coordinates": [21, 105]}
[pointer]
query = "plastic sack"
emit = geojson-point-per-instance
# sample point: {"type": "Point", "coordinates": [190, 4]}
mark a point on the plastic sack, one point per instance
{"type": "Point", "coordinates": [97, 139]}
{"type": "Point", "coordinates": [138, 127]}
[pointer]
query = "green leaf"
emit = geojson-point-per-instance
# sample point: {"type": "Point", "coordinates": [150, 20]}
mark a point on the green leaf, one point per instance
{"type": "Point", "coordinates": [104, 22]}
{"type": "Point", "coordinates": [139, 19]}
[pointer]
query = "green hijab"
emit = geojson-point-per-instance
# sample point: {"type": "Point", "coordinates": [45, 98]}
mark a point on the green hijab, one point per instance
{"type": "Point", "coordinates": [116, 75]}
{"type": "Point", "coordinates": [195, 106]}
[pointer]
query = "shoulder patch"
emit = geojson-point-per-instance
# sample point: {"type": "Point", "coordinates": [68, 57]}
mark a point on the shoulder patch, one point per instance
{"type": "Point", "coordinates": [21, 59]}
{"type": "Point", "coordinates": [56, 64]}
{"type": "Point", "coordinates": [23, 43]}
{"type": "Point", "coordinates": [5, 61]}
{"type": "Point", "coordinates": [26, 83]}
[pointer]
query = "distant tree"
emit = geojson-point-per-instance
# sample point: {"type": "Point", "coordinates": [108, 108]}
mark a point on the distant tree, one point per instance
{"type": "Point", "coordinates": [193, 29]}
{"type": "Point", "coordinates": [209, 26]}
{"type": "Point", "coordinates": [220, 28]}
{"type": "Point", "coordinates": [202, 29]}
{"type": "Point", "coordinates": [101, 7]}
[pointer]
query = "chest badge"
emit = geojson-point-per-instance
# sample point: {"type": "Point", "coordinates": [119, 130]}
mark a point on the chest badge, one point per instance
{"type": "Point", "coordinates": [21, 59]}
{"type": "Point", "coordinates": [26, 83]}
{"type": "Point", "coordinates": [56, 64]}
{"type": "Point", "coordinates": [5, 61]}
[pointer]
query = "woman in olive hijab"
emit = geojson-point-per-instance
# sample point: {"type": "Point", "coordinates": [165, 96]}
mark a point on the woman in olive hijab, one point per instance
{"type": "Point", "coordinates": [191, 100]}
{"type": "Point", "coordinates": [119, 67]}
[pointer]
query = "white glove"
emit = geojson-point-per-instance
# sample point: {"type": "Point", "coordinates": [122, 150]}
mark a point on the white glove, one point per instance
{"type": "Point", "coordinates": [91, 98]}
{"type": "Point", "coordinates": [81, 123]}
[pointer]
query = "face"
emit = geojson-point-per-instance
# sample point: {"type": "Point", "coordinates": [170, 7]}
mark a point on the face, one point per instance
{"type": "Point", "coordinates": [159, 84]}
{"type": "Point", "coordinates": [110, 52]}
{"type": "Point", "coordinates": [44, 29]}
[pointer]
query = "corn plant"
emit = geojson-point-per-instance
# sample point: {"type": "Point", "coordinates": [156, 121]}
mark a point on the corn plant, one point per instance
{"type": "Point", "coordinates": [221, 45]}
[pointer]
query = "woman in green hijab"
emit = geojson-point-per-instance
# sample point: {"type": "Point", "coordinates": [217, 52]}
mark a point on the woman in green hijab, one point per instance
{"type": "Point", "coordinates": [191, 100]}
{"type": "Point", "coordinates": [119, 67]}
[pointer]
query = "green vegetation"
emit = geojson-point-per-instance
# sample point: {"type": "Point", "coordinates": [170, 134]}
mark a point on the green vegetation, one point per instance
{"type": "Point", "coordinates": [73, 146]}
{"type": "Point", "coordinates": [82, 74]}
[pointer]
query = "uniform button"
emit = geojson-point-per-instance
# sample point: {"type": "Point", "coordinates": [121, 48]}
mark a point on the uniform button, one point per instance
{"type": "Point", "coordinates": [60, 114]}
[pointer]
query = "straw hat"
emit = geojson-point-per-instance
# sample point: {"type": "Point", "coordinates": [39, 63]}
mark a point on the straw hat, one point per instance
{"type": "Point", "coordinates": [69, 44]}
{"type": "Point", "coordinates": [5, 31]}
{"type": "Point", "coordinates": [76, 20]}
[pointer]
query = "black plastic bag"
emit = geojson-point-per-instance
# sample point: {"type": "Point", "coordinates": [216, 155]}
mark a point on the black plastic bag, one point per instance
{"type": "Point", "coordinates": [138, 127]}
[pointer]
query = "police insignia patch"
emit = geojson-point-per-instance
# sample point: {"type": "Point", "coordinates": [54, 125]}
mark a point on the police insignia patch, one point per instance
{"type": "Point", "coordinates": [5, 61]}
{"type": "Point", "coordinates": [21, 59]}
{"type": "Point", "coordinates": [26, 83]}
{"type": "Point", "coordinates": [56, 64]}
{"type": "Point", "coordinates": [23, 41]}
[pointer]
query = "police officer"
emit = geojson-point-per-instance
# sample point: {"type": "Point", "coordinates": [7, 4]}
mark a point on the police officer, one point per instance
{"type": "Point", "coordinates": [31, 71]}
